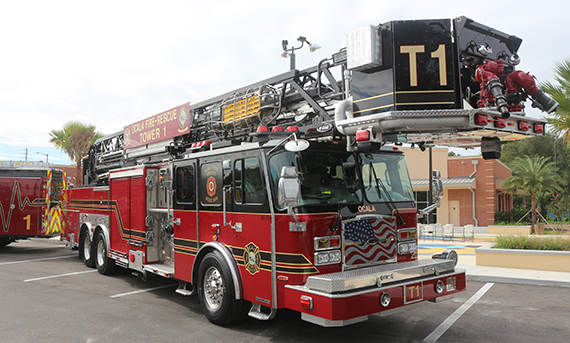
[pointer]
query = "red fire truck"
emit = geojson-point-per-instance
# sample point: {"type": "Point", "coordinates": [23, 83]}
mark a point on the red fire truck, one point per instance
{"type": "Point", "coordinates": [293, 192]}
{"type": "Point", "coordinates": [30, 200]}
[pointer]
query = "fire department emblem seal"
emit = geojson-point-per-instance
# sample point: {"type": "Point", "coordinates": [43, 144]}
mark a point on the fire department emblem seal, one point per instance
{"type": "Point", "coordinates": [211, 184]}
{"type": "Point", "coordinates": [251, 258]}
{"type": "Point", "coordinates": [183, 119]}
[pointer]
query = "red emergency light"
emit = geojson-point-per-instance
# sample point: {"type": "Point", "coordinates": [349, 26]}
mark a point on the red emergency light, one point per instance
{"type": "Point", "coordinates": [334, 242]}
{"type": "Point", "coordinates": [523, 125]}
{"type": "Point", "coordinates": [500, 123]}
{"type": "Point", "coordinates": [539, 128]}
{"type": "Point", "coordinates": [306, 302]}
{"type": "Point", "coordinates": [201, 144]}
{"type": "Point", "coordinates": [363, 135]}
{"type": "Point", "coordinates": [481, 119]}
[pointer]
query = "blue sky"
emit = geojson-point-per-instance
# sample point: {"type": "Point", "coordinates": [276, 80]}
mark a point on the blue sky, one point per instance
{"type": "Point", "coordinates": [112, 63]}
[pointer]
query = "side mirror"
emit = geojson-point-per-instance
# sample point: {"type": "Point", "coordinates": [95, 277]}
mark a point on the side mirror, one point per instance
{"type": "Point", "coordinates": [289, 189]}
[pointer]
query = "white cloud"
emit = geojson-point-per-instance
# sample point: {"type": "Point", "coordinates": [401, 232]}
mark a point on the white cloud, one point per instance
{"type": "Point", "coordinates": [111, 63]}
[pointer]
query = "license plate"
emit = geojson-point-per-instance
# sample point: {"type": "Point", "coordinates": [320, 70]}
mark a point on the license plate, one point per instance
{"type": "Point", "coordinates": [413, 292]}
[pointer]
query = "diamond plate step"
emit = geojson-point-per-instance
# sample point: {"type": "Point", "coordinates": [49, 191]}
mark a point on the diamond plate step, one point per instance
{"type": "Point", "coordinates": [377, 275]}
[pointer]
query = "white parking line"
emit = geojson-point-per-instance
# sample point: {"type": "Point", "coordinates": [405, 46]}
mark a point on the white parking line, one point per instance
{"type": "Point", "coordinates": [141, 291]}
{"type": "Point", "coordinates": [36, 260]}
{"type": "Point", "coordinates": [60, 275]}
{"type": "Point", "coordinates": [440, 330]}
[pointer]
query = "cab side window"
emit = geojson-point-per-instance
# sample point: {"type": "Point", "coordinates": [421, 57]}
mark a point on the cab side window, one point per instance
{"type": "Point", "coordinates": [248, 182]}
{"type": "Point", "coordinates": [186, 184]}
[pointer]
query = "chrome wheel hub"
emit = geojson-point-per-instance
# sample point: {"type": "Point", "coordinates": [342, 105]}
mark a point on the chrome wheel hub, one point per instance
{"type": "Point", "coordinates": [213, 288]}
{"type": "Point", "coordinates": [87, 247]}
{"type": "Point", "coordinates": [101, 253]}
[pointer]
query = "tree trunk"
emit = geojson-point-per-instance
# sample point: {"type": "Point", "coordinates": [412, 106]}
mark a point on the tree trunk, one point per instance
{"type": "Point", "coordinates": [533, 212]}
{"type": "Point", "coordinates": [78, 173]}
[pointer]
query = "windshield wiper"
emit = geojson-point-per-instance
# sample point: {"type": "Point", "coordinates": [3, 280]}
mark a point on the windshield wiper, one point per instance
{"type": "Point", "coordinates": [390, 204]}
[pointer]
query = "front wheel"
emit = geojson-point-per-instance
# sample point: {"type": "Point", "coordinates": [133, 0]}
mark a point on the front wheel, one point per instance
{"type": "Point", "coordinates": [104, 264]}
{"type": "Point", "coordinates": [216, 292]}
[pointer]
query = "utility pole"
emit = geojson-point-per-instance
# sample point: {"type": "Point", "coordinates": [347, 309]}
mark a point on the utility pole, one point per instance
{"type": "Point", "coordinates": [430, 189]}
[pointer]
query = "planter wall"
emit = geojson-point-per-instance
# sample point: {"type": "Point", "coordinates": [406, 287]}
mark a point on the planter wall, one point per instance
{"type": "Point", "coordinates": [556, 226]}
{"type": "Point", "coordinates": [509, 230]}
{"type": "Point", "coordinates": [525, 259]}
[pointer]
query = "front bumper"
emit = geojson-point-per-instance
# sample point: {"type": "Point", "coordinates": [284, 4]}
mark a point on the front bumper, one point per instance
{"type": "Point", "coordinates": [348, 297]}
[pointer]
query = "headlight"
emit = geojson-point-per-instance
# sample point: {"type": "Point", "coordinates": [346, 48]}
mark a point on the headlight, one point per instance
{"type": "Point", "coordinates": [327, 242]}
{"type": "Point", "coordinates": [407, 248]}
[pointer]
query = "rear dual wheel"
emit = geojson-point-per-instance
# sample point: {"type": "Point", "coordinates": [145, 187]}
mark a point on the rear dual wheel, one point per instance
{"type": "Point", "coordinates": [104, 264]}
{"type": "Point", "coordinates": [85, 250]}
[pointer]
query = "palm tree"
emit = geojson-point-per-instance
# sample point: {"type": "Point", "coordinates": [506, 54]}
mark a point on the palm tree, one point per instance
{"type": "Point", "coordinates": [532, 175]}
{"type": "Point", "coordinates": [560, 122]}
{"type": "Point", "coordinates": [74, 139]}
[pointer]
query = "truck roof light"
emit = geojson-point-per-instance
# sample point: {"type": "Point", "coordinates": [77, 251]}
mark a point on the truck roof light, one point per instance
{"type": "Point", "coordinates": [262, 129]}
{"type": "Point", "coordinates": [523, 125]}
{"type": "Point", "coordinates": [481, 119]}
{"type": "Point", "coordinates": [199, 145]}
{"type": "Point", "coordinates": [277, 129]}
{"type": "Point", "coordinates": [292, 129]}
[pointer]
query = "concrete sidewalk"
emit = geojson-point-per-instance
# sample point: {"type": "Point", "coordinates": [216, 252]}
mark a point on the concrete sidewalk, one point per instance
{"type": "Point", "coordinates": [467, 261]}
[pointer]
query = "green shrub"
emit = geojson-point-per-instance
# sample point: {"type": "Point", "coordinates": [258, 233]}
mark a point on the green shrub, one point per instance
{"type": "Point", "coordinates": [532, 243]}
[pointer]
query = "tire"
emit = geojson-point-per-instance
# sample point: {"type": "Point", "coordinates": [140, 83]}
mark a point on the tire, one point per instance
{"type": "Point", "coordinates": [104, 264]}
{"type": "Point", "coordinates": [86, 251]}
{"type": "Point", "coordinates": [216, 292]}
{"type": "Point", "coordinates": [4, 242]}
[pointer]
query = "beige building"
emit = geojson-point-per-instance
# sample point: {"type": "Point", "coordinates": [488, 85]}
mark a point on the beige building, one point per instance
{"type": "Point", "coordinates": [472, 186]}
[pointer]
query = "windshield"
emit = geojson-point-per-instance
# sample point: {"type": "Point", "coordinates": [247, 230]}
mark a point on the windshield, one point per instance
{"type": "Point", "coordinates": [385, 178]}
{"type": "Point", "coordinates": [326, 176]}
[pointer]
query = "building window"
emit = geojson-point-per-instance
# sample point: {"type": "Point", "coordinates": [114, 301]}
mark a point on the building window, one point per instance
{"type": "Point", "coordinates": [421, 203]}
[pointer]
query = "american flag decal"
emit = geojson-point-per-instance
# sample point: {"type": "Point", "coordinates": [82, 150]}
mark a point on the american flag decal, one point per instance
{"type": "Point", "coordinates": [369, 240]}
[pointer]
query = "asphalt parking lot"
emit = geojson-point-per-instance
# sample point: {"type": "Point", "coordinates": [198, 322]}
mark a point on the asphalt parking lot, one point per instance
{"type": "Point", "coordinates": [48, 295]}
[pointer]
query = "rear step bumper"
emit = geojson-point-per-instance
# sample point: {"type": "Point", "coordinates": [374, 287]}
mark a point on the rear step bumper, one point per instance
{"type": "Point", "coordinates": [348, 297]}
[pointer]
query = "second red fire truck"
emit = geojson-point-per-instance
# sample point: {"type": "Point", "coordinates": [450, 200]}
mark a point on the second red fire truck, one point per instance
{"type": "Point", "coordinates": [293, 192]}
{"type": "Point", "coordinates": [30, 201]}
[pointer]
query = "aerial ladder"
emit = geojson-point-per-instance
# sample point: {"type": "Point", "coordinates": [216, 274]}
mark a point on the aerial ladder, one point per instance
{"type": "Point", "coordinates": [425, 83]}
